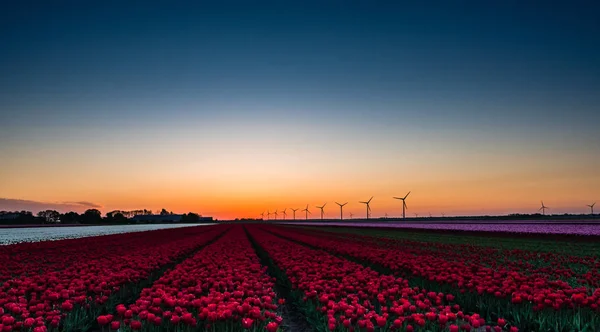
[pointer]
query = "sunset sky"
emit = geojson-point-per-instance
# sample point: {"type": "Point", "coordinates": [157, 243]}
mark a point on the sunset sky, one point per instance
{"type": "Point", "coordinates": [235, 109]}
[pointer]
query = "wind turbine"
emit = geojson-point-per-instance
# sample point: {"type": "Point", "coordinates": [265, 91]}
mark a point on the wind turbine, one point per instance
{"type": "Point", "coordinates": [294, 213]}
{"type": "Point", "coordinates": [275, 214]}
{"type": "Point", "coordinates": [284, 214]}
{"type": "Point", "coordinates": [543, 208]}
{"type": "Point", "coordinates": [386, 215]}
{"type": "Point", "coordinates": [592, 207]}
{"type": "Point", "coordinates": [321, 207]}
{"type": "Point", "coordinates": [368, 207]}
{"type": "Point", "coordinates": [351, 215]}
{"type": "Point", "coordinates": [307, 212]}
{"type": "Point", "coordinates": [403, 199]}
{"type": "Point", "coordinates": [416, 215]}
{"type": "Point", "coordinates": [262, 215]}
{"type": "Point", "coordinates": [268, 215]}
{"type": "Point", "coordinates": [341, 210]}
{"type": "Point", "coordinates": [443, 214]}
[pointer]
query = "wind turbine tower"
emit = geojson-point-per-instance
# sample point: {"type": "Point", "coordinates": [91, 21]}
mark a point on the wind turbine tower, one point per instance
{"type": "Point", "coordinates": [341, 210]}
{"type": "Point", "coordinates": [294, 210]}
{"type": "Point", "coordinates": [543, 209]}
{"type": "Point", "coordinates": [592, 207]}
{"type": "Point", "coordinates": [284, 213]}
{"type": "Point", "coordinates": [322, 207]}
{"type": "Point", "coordinates": [403, 199]}
{"type": "Point", "coordinates": [368, 207]}
{"type": "Point", "coordinates": [275, 214]}
{"type": "Point", "coordinates": [307, 212]}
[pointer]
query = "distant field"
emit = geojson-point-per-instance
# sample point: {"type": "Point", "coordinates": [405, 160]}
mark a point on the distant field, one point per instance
{"type": "Point", "coordinates": [505, 241]}
{"type": "Point", "coordinates": [510, 226]}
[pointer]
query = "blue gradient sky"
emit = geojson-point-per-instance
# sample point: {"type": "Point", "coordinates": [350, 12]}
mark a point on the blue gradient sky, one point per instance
{"type": "Point", "coordinates": [235, 108]}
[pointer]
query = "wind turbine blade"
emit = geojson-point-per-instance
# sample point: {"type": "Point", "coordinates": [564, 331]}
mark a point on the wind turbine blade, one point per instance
{"type": "Point", "coordinates": [405, 206]}
{"type": "Point", "coordinates": [397, 197]}
{"type": "Point", "coordinates": [407, 195]}
{"type": "Point", "coordinates": [370, 199]}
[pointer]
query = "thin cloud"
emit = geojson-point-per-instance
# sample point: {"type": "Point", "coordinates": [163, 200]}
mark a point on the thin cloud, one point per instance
{"type": "Point", "coordinates": [12, 204]}
{"type": "Point", "coordinates": [84, 204]}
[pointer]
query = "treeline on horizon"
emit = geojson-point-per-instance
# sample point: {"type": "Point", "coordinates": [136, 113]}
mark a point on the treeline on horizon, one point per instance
{"type": "Point", "coordinates": [89, 217]}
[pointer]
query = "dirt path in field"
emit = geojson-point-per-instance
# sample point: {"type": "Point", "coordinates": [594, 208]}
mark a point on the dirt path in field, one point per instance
{"type": "Point", "coordinates": [293, 318]}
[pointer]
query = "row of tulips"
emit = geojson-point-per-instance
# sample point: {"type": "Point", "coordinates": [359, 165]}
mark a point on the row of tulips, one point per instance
{"type": "Point", "coordinates": [578, 270]}
{"type": "Point", "coordinates": [223, 287]}
{"type": "Point", "coordinates": [68, 292]}
{"type": "Point", "coordinates": [529, 300]}
{"type": "Point", "coordinates": [340, 295]}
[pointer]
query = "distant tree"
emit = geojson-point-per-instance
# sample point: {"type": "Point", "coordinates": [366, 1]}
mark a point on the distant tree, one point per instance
{"type": "Point", "coordinates": [69, 218]}
{"type": "Point", "coordinates": [111, 214]}
{"type": "Point", "coordinates": [119, 218]}
{"type": "Point", "coordinates": [164, 212]}
{"type": "Point", "coordinates": [190, 217]}
{"type": "Point", "coordinates": [21, 218]}
{"type": "Point", "coordinates": [91, 216]}
{"type": "Point", "coordinates": [49, 216]}
{"type": "Point", "coordinates": [18, 218]}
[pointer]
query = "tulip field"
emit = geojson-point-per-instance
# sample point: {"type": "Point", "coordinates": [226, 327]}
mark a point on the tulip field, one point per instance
{"type": "Point", "coordinates": [266, 277]}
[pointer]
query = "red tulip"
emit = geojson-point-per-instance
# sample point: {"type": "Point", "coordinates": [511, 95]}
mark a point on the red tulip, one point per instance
{"type": "Point", "coordinates": [28, 323]}
{"type": "Point", "coordinates": [115, 325]}
{"type": "Point", "coordinates": [67, 306]}
{"type": "Point", "coordinates": [501, 322]}
{"type": "Point", "coordinates": [135, 325]}
{"type": "Point", "coordinates": [272, 327]}
{"type": "Point", "coordinates": [102, 320]}
{"type": "Point", "coordinates": [247, 323]}
{"type": "Point", "coordinates": [443, 319]}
